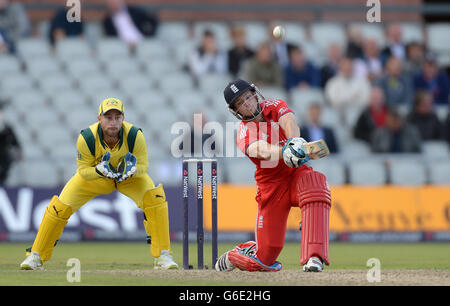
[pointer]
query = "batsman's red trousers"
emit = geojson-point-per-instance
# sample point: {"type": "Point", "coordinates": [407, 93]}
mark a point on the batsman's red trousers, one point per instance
{"type": "Point", "coordinates": [304, 188]}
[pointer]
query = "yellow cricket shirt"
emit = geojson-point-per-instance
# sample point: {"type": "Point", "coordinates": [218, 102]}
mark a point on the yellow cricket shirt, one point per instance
{"type": "Point", "coordinates": [91, 148]}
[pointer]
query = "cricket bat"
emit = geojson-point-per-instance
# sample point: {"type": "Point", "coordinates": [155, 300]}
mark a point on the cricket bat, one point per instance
{"type": "Point", "coordinates": [317, 149]}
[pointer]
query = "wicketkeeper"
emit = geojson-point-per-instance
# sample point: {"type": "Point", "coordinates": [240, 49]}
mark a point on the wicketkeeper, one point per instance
{"type": "Point", "coordinates": [112, 155]}
{"type": "Point", "coordinates": [270, 137]}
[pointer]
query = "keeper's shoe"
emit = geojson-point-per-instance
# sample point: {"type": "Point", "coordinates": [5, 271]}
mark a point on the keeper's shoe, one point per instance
{"type": "Point", "coordinates": [32, 262]}
{"type": "Point", "coordinates": [314, 264]}
{"type": "Point", "coordinates": [165, 261]}
{"type": "Point", "coordinates": [223, 264]}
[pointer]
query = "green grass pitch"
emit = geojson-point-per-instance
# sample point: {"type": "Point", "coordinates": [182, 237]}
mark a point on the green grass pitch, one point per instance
{"type": "Point", "coordinates": [131, 263]}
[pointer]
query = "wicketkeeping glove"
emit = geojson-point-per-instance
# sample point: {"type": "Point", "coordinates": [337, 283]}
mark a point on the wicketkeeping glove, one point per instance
{"type": "Point", "coordinates": [293, 152]}
{"type": "Point", "coordinates": [127, 167]}
{"type": "Point", "coordinates": [103, 168]}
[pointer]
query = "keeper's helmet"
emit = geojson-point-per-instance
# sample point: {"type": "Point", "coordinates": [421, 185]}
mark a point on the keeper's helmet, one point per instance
{"type": "Point", "coordinates": [232, 93]}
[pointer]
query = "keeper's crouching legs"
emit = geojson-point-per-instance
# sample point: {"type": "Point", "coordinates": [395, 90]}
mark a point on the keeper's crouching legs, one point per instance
{"type": "Point", "coordinates": [156, 220]}
{"type": "Point", "coordinates": [55, 219]}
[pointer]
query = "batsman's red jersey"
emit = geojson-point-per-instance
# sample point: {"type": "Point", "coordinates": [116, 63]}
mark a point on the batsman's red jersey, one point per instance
{"type": "Point", "coordinates": [275, 181]}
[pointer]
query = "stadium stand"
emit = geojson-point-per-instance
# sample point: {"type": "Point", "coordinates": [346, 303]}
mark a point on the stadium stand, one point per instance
{"type": "Point", "coordinates": [53, 93]}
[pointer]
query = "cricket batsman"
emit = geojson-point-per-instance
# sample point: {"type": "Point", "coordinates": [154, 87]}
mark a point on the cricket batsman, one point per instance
{"type": "Point", "coordinates": [269, 135]}
{"type": "Point", "coordinates": [112, 155]}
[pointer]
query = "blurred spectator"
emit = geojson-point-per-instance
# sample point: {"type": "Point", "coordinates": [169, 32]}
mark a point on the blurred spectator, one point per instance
{"type": "Point", "coordinates": [331, 66]}
{"type": "Point", "coordinates": [369, 66]}
{"type": "Point", "coordinates": [14, 20]}
{"type": "Point", "coordinates": [60, 27]}
{"type": "Point", "coordinates": [424, 118]}
{"type": "Point", "coordinates": [5, 45]}
{"type": "Point", "coordinates": [396, 84]}
{"type": "Point", "coordinates": [345, 90]}
{"type": "Point", "coordinates": [395, 46]}
{"type": "Point", "coordinates": [207, 58]}
{"type": "Point", "coordinates": [397, 136]}
{"type": "Point", "coordinates": [240, 52]}
{"type": "Point", "coordinates": [129, 23]}
{"type": "Point", "coordinates": [300, 73]}
{"type": "Point", "coordinates": [314, 130]}
{"type": "Point", "coordinates": [263, 70]}
{"type": "Point", "coordinates": [372, 117]}
{"type": "Point", "coordinates": [355, 43]}
{"type": "Point", "coordinates": [280, 47]}
{"type": "Point", "coordinates": [433, 79]}
{"type": "Point", "coordinates": [10, 150]}
{"type": "Point", "coordinates": [415, 56]}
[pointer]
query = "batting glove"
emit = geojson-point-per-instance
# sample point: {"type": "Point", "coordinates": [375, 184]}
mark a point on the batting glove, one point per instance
{"type": "Point", "coordinates": [127, 167]}
{"type": "Point", "coordinates": [293, 152]}
{"type": "Point", "coordinates": [104, 169]}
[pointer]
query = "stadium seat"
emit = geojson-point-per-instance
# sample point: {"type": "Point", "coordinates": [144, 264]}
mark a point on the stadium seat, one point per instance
{"type": "Point", "coordinates": [121, 67]}
{"type": "Point", "coordinates": [9, 64]}
{"type": "Point", "coordinates": [271, 93]}
{"type": "Point", "coordinates": [255, 33]}
{"type": "Point", "coordinates": [213, 82]}
{"type": "Point", "coordinates": [16, 83]}
{"type": "Point", "coordinates": [332, 168]}
{"type": "Point", "coordinates": [407, 172]}
{"type": "Point", "coordinates": [67, 100]}
{"type": "Point", "coordinates": [33, 48]}
{"type": "Point", "coordinates": [325, 33]}
{"type": "Point", "coordinates": [43, 116]}
{"type": "Point", "coordinates": [53, 83]}
{"type": "Point", "coordinates": [145, 101]}
{"type": "Point", "coordinates": [354, 150]}
{"type": "Point", "coordinates": [173, 32]}
{"type": "Point", "coordinates": [188, 101]}
{"type": "Point", "coordinates": [82, 67]}
{"type": "Point", "coordinates": [412, 32]}
{"type": "Point", "coordinates": [367, 172]}
{"type": "Point", "coordinates": [153, 50]}
{"type": "Point", "coordinates": [33, 151]}
{"type": "Point", "coordinates": [435, 149]}
{"type": "Point", "coordinates": [302, 98]}
{"type": "Point", "coordinates": [94, 83]}
{"type": "Point", "coordinates": [135, 83]}
{"type": "Point", "coordinates": [71, 48]}
{"type": "Point", "coordinates": [437, 37]}
{"type": "Point", "coordinates": [330, 117]}
{"type": "Point", "coordinates": [176, 82]}
{"type": "Point", "coordinates": [93, 31]}
{"type": "Point", "coordinates": [294, 32]}
{"type": "Point", "coordinates": [155, 68]}
{"type": "Point", "coordinates": [442, 111]}
{"type": "Point", "coordinates": [240, 171]}
{"type": "Point", "coordinates": [28, 101]}
{"type": "Point", "coordinates": [15, 175]}
{"type": "Point", "coordinates": [68, 167]}
{"type": "Point", "coordinates": [38, 68]}
{"type": "Point", "coordinates": [440, 172]}
{"type": "Point", "coordinates": [371, 31]}
{"type": "Point", "coordinates": [34, 171]}
{"type": "Point", "coordinates": [112, 48]}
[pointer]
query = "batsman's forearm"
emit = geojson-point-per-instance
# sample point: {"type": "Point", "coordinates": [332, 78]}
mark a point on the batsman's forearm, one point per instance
{"type": "Point", "coordinates": [264, 150]}
{"type": "Point", "coordinates": [292, 130]}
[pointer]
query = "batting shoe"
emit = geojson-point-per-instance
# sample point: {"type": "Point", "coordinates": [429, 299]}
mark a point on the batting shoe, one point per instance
{"type": "Point", "coordinates": [223, 264]}
{"type": "Point", "coordinates": [165, 261]}
{"type": "Point", "coordinates": [314, 264]}
{"type": "Point", "coordinates": [32, 262]}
